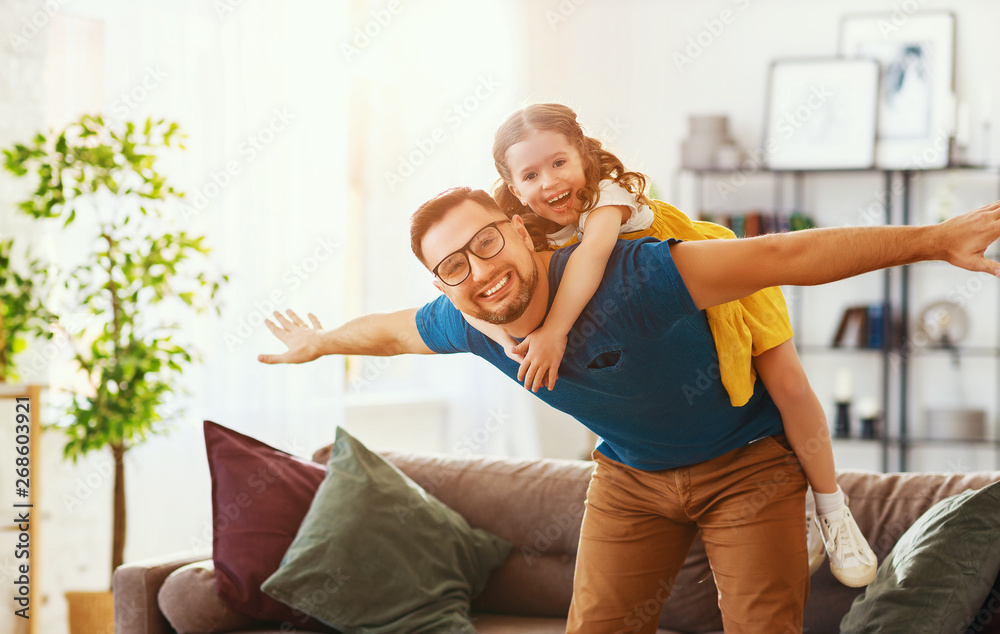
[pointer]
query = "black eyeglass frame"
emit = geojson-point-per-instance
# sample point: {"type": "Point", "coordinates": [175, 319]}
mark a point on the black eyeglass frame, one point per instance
{"type": "Point", "coordinates": [465, 251]}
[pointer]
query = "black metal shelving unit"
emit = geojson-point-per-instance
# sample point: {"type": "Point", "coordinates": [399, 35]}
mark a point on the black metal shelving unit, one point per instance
{"type": "Point", "coordinates": [896, 301]}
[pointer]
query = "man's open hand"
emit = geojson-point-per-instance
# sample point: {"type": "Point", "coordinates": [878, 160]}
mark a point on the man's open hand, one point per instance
{"type": "Point", "coordinates": [302, 341]}
{"type": "Point", "coordinates": [965, 238]}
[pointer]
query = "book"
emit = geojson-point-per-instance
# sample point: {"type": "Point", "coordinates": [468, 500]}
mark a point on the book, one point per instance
{"type": "Point", "coordinates": [852, 332]}
{"type": "Point", "coordinates": [875, 326]}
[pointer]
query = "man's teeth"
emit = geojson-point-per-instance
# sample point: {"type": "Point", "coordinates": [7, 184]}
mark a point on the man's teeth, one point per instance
{"type": "Point", "coordinates": [499, 285]}
{"type": "Point", "coordinates": [558, 198]}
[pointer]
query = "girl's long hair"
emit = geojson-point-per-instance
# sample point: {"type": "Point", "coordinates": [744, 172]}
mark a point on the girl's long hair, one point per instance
{"type": "Point", "coordinates": [598, 165]}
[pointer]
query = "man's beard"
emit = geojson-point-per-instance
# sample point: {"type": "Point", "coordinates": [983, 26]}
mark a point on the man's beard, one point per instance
{"type": "Point", "coordinates": [517, 304]}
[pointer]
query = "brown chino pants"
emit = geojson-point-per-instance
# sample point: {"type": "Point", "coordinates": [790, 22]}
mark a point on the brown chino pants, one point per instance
{"type": "Point", "coordinates": [639, 525]}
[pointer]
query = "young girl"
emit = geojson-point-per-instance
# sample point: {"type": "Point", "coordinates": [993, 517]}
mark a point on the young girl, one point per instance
{"type": "Point", "coordinates": [569, 189]}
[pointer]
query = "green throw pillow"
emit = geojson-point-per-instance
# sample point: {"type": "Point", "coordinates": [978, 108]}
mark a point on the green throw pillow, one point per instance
{"type": "Point", "coordinates": [938, 573]}
{"type": "Point", "coordinates": [377, 553]}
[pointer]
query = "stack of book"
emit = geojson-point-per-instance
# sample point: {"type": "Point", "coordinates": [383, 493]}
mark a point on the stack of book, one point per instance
{"type": "Point", "coordinates": [758, 223]}
{"type": "Point", "coordinates": [862, 327]}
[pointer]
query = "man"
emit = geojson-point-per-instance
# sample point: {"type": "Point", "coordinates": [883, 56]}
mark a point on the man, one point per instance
{"type": "Point", "coordinates": [668, 463]}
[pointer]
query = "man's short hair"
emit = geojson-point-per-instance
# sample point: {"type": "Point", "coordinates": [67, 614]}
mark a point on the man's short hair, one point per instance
{"type": "Point", "coordinates": [431, 212]}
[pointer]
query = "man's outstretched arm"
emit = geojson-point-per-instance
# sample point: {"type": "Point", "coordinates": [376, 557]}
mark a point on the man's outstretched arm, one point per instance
{"type": "Point", "coordinates": [718, 271]}
{"type": "Point", "coordinates": [382, 334]}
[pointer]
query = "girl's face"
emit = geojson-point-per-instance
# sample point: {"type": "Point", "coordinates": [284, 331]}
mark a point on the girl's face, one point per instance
{"type": "Point", "coordinates": [546, 173]}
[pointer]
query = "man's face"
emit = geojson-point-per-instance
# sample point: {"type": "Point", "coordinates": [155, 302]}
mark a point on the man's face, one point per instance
{"type": "Point", "coordinates": [499, 289]}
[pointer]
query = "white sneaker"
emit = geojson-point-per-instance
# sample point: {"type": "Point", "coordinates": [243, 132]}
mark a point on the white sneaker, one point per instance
{"type": "Point", "coordinates": [851, 559]}
{"type": "Point", "coordinates": [814, 543]}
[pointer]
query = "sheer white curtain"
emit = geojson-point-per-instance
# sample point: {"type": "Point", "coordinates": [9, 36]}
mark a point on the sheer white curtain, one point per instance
{"type": "Point", "coordinates": [390, 104]}
{"type": "Point", "coordinates": [293, 141]}
{"type": "Point", "coordinates": [428, 91]}
{"type": "Point", "coordinates": [314, 128]}
{"type": "Point", "coordinates": [261, 92]}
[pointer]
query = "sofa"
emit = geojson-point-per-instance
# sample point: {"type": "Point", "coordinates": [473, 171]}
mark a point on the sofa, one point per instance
{"type": "Point", "coordinates": [537, 505]}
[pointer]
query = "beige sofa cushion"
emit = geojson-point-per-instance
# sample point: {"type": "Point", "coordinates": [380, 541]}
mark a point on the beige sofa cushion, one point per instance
{"type": "Point", "coordinates": [189, 600]}
{"type": "Point", "coordinates": [884, 505]}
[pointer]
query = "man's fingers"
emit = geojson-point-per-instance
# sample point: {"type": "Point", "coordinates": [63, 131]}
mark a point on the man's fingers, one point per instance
{"type": "Point", "coordinates": [281, 319]}
{"type": "Point", "coordinates": [296, 319]}
{"type": "Point", "coordinates": [271, 358]}
{"type": "Point", "coordinates": [552, 378]}
{"type": "Point", "coordinates": [985, 265]}
{"type": "Point", "coordinates": [315, 322]}
{"type": "Point", "coordinates": [278, 332]}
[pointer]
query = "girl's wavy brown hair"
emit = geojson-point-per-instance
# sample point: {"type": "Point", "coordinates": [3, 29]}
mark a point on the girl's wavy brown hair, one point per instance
{"type": "Point", "coordinates": [599, 164]}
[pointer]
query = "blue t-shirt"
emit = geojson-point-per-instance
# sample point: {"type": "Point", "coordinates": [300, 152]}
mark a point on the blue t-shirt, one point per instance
{"type": "Point", "coordinates": [640, 367]}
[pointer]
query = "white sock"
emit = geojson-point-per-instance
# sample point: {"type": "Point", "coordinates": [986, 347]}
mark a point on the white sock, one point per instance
{"type": "Point", "coordinates": [827, 503]}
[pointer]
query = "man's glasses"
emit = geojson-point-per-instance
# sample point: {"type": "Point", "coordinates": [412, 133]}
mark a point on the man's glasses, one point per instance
{"type": "Point", "coordinates": [487, 243]}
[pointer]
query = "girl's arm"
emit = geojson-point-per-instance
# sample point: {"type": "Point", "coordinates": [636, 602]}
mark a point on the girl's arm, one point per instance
{"type": "Point", "coordinates": [543, 349]}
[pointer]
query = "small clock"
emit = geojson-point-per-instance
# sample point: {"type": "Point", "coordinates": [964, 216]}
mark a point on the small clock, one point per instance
{"type": "Point", "coordinates": [944, 323]}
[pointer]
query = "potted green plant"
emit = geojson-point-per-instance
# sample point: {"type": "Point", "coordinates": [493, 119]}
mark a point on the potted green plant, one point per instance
{"type": "Point", "coordinates": [22, 313]}
{"type": "Point", "coordinates": [105, 178]}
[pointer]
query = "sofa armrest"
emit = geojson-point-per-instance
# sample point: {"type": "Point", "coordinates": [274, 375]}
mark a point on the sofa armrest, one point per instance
{"type": "Point", "coordinates": [135, 588]}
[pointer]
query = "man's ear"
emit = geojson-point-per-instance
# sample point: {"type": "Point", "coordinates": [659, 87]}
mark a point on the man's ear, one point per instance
{"type": "Point", "coordinates": [438, 285]}
{"type": "Point", "coordinates": [522, 231]}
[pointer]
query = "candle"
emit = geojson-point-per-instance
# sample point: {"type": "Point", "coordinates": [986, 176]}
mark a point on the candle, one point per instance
{"type": "Point", "coordinates": [843, 385]}
{"type": "Point", "coordinates": [868, 407]}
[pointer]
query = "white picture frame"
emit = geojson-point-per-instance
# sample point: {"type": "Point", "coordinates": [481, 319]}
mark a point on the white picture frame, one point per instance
{"type": "Point", "coordinates": [821, 114]}
{"type": "Point", "coordinates": [916, 54]}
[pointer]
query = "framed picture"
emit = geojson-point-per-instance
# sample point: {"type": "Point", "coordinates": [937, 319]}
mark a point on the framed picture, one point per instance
{"type": "Point", "coordinates": [916, 54]}
{"type": "Point", "coordinates": [821, 114]}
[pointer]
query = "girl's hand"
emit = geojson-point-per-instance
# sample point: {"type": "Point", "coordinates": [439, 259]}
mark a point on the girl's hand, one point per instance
{"type": "Point", "coordinates": [515, 356]}
{"type": "Point", "coordinates": [543, 352]}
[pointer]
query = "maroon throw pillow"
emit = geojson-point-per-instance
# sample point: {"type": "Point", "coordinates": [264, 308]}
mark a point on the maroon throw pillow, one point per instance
{"type": "Point", "coordinates": [259, 497]}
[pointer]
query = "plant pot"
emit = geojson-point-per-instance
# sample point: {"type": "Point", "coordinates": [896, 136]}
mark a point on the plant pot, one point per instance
{"type": "Point", "coordinates": [91, 612]}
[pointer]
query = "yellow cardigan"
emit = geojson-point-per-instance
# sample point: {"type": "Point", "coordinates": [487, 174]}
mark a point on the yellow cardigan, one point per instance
{"type": "Point", "coordinates": [741, 329]}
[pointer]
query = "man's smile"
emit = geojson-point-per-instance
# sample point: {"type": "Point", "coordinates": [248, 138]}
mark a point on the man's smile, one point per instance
{"type": "Point", "coordinates": [497, 287]}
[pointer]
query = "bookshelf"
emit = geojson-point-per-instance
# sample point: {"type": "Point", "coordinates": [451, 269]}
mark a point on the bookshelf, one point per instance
{"type": "Point", "coordinates": [883, 349]}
